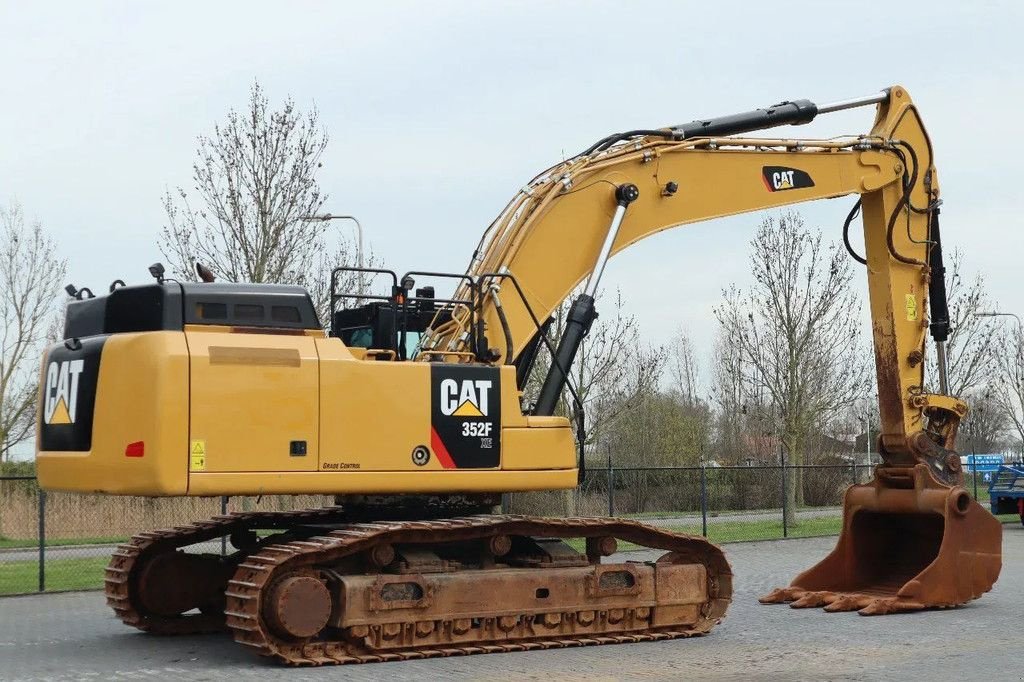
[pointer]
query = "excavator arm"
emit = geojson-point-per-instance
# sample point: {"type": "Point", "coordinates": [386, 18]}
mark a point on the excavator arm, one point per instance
{"type": "Point", "coordinates": [560, 229]}
{"type": "Point", "coordinates": [912, 538]}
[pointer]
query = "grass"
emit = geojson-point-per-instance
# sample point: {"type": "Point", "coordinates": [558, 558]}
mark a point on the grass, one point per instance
{"type": "Point", "coordinates": [640, 516]}
{"type": "Point", "coordinates": [10, 543]}
{"type": "Point", "coordinates": [84, 573]}
{"type": "Point", "coordinates": [18, 577]}
{"type": "Point", "coordinates": [741, 531]}
{"type": "Point", "coordinates": [745, 531]}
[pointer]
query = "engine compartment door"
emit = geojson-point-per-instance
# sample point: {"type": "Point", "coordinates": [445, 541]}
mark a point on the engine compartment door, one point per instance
{"type": "Point", "coordinates": [254, 401]}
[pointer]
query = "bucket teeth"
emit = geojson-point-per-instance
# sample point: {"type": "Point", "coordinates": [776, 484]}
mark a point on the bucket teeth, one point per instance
{"type": "Point", "coordinates": [881, 607]}
{"type": "Point", "coordinates": [848, 602]}
{"type": "Point", "coordinates": [811, 600]}
{"type": "Point", "coordinates": [781, 595]}
{"type": "Point", "coordinates": [836, 602]}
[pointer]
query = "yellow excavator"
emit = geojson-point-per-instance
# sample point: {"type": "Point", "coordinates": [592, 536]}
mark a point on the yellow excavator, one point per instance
{"type": "Point", "coordinates": [410, 410]}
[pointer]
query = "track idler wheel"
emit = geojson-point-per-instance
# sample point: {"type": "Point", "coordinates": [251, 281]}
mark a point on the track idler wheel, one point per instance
{"type": "Point", "coordinates": [175, 582]}
{"type": "Point", "coordinates": [298, 606]}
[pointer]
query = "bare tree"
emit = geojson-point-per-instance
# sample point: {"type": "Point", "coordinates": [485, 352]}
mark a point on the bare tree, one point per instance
{"type": "Point", "coordinates": [797, 333]}
{"type": "Point", "coordinates": [1008, 391]}
{"type": "Point", "coordinates": [612, 368]}
{"type": "Point", "coordinates": [983, 431]}
{"type": "Point", "coordinates": [737, 437]}
{"type": "Point", "coordinates": [682, 364]}
{"type": "Point", "coordinates": [254, 186]}
{"type": "Point", "coordinates": [667, 424]}
{"type": "Point", "coordinates": [613, 371]}
{"type": "Point", "coordinates": [690, 419]}
{"type": "Point", "coordinates": [971, 347]}
{"type": "Point", "coordinates": [31, 275]}
{"type": "Point", "coordinates": [979, 368]}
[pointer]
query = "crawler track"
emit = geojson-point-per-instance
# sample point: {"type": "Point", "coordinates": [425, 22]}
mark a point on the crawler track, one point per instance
{"type": "Point", "coordinates": [123, 587]}
{"type": "Point", "coordinates": [324, 598]}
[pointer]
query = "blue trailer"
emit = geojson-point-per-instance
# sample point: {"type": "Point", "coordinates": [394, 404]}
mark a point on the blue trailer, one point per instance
{"type": "Point", "coordinates": [1006, 491]}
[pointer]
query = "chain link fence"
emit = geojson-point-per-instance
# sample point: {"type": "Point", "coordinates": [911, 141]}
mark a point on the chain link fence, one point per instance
{"type": "Point", "coordinates": [63, 541]}
{"type": "Point", "coordinates": [722, 503]}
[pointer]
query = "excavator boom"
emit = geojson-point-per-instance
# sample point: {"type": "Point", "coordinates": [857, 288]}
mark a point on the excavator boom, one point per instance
{"type": "Point", "coordinates": [555, 233]}
{"type": "Point", "coordinates": [559, 231]}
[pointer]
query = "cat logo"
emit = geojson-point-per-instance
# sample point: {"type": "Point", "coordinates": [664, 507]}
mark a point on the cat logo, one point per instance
{"type": "Point", "coordinates": [466, 398]}
{"type": "Point", "coordinates": [61, 391]}
{"type": "Point", "coordinates": [465, 416]}
{"type": "Point", "coordinates": [781, 178]}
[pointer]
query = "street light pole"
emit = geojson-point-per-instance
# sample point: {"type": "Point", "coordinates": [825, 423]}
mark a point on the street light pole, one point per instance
{"type": "Point", "coordinates": [867, 421]}
{"type": "Point", "coordinates": [324, 217]}
{"type": "Point", "coordinates": [1020, 325]}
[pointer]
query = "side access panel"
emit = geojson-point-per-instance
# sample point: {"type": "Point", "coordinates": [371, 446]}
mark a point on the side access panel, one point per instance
{"type": "Point", "coordinates": [254, 402]}
{"type": "Point", "coordinates": [419, 417]}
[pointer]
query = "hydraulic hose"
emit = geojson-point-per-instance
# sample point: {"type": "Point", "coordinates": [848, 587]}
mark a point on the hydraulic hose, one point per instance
{"type": "Point", "coordinates": [846, 234]}
{"type": "Point", "coordinates": [509, 345]}
{"type": "Point", "coordinates": [608, 141]}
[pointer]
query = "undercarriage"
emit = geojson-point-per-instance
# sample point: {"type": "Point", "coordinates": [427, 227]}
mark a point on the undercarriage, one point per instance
{"type": "Point", "coordinates": [314, 587]}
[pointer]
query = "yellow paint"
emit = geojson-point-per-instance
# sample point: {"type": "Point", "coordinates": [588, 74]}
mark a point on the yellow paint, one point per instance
{"type": "Point", "coordinates": [251, 395]}
{"type": "Point", "coordinates": [60, 413]}
{"type": "Point", "coordinates": [372, 413]}
{"type": "Point", "coordinates": [911, 308]}
{"type": "Point", "coordinates": [467, 409]}
{"type": "Point", "coordinates": [536, 446]}
{"type": "Point", "coordinates": [422, 480]}
{"type": "Point", "coordinates": [142, 395]}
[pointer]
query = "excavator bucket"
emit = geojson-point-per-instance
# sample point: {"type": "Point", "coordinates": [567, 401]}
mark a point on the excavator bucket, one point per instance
{"type": "Point", "coordinates": [908, 542]}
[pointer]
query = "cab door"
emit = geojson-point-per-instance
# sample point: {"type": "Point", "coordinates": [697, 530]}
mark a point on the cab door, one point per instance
{"type": "Point", "coordinates": [254, 401]}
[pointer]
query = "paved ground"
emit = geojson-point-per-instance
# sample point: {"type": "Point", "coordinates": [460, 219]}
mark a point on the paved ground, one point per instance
{"type": "Point", "coordinates": [74, 637]}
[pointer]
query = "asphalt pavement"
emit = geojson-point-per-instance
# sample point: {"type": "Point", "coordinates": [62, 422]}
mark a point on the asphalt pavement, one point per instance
{"type": "Point", "coordinates": [73, 636]}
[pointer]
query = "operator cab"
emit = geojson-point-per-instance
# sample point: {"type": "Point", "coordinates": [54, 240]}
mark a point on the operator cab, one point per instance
{"type": "Point", "coordinates": [381, 324]}
{"type": "Point", "coordinates": [394, 322]}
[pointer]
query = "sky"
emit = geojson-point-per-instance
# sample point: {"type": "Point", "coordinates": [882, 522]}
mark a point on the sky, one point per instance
{"type": "Point", "coordinates": [438, 112]}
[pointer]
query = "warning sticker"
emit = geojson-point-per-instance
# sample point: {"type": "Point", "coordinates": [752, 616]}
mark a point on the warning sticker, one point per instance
{"type": "Point", "coordinates": [911, 308]}
{"type": "Point", "coordinates": [197, 456]}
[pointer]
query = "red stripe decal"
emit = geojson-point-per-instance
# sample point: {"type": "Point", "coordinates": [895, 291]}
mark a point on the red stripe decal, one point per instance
{"type": "Point", "coordinates": [437, 445]}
